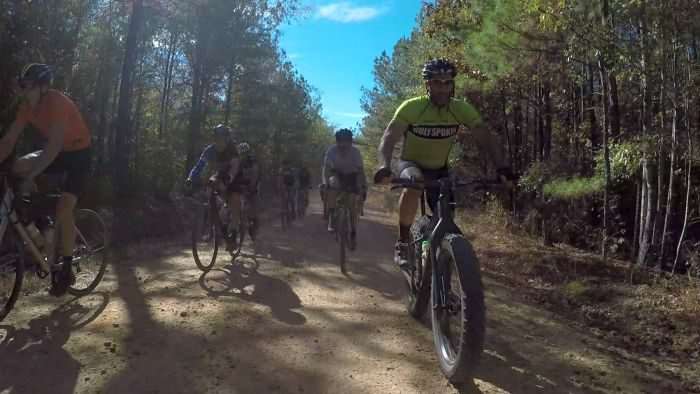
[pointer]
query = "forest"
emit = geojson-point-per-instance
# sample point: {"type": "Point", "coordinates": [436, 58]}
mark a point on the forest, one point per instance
{"type": "Point", "coordinates": [595, 104]}
{"type": "Point", "coordinates": [153, 77]}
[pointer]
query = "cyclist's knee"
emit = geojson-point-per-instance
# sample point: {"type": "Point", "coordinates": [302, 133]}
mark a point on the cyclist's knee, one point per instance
{"type": "Point", "coordinates": [414, 173]}
{"type": "Point", "coordinates": [333, 182]}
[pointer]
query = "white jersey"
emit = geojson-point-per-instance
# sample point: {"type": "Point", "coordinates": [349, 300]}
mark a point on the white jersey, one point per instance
{"type": "Point", "coordinates": [344, 163]}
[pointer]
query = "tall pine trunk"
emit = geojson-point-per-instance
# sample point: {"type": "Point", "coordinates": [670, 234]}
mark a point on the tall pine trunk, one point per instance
{"type": "Point", "coordinates": [123, 145]}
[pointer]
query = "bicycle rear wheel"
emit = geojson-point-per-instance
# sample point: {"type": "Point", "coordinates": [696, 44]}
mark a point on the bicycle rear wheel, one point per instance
{"type": "Point", "coordinates": [342, 228]}
{"type": "Point", "coordinates": [243, 225]}
{"type": "Point", "coordinates": [89, 253]}
{"type": "Point", "coordinates": [205, 240]}
{"type": "Point", "coordinates": [11, 272]}
{"type": "Point", "coordinates": [459, 327]}
{"type": "Point", "coordinates": [285, 215]}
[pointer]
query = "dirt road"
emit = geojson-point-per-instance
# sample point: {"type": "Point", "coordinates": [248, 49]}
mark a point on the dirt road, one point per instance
{"type": "Point", "coordinates": [283, 319]}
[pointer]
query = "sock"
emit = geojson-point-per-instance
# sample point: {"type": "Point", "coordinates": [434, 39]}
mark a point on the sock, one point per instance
{"type": "Point", "coordinates": [67, 260]}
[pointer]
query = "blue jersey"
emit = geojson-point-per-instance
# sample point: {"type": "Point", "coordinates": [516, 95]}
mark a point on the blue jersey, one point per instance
{"type": "Point", "coordinates": [211, 155]}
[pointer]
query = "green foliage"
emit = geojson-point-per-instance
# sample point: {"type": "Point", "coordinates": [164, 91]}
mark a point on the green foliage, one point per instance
{"type": "Point", "coordinates": [537, 175]}
{"type": "Point", "coordinates": [625, 159]}
{"type": "Point", "coordinates": [573, 188]}
{"type": "Point", "coordinates": [224, 53]}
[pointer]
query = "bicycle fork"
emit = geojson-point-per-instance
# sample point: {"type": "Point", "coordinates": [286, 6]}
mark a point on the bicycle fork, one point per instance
{"type": "Point", "coordinates": [441, 288]}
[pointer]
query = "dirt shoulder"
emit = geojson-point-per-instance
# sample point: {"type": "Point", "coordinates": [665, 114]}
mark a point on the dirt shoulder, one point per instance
{"type": "Point", "coordinates": [640, 315]}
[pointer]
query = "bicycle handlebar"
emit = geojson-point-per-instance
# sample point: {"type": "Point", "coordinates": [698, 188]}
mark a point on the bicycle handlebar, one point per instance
{"type": "Point", "coordinates": [402, 183]}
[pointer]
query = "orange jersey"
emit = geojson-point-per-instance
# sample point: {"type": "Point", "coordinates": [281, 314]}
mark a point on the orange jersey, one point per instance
{"type": "Point", "coordinates": [55, 108]}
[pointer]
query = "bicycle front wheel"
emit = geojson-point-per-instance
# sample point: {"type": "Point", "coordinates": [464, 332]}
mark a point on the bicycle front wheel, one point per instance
{"type": "Point", "coordinates": [205, 242]}
{"type": "Point", "coordinates": [419, 283]}
{"type": "Point", "coordinates": [11, 272]}
{"type": "Point", "coordinates": [89, 253]}
{"type": "Point", "coordinates": [459, 326]}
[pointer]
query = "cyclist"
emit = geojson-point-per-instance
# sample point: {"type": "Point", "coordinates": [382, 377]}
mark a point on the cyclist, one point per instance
{"type": "Point", "coordinates": [304, 185]}
{"type": "Point", "coordinates": [343, 169]}
{"type": "Point", "coordinates": [247, 182]}
{"type": "Point", "coordinates": [66, 152]}
{"type": "Point", "coordinates": [223, 156]}
{"type": "Point", "coordinates": [289, 186]}
{"type": "Point", "coordinates": [429, 126]}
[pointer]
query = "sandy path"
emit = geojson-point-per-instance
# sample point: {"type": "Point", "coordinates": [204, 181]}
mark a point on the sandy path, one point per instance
{"type": "Point", "coordinates": [283, 319]}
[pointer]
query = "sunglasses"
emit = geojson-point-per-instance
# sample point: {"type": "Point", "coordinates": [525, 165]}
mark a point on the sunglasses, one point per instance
{"type": "Point", "coordinates": [442, 82]}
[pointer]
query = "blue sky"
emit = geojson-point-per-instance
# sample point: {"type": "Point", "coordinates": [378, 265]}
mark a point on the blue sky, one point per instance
{"type": "Point", "coordinates": [335, 44]}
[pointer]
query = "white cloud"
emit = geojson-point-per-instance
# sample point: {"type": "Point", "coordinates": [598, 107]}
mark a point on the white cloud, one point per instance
{"type": "Point", "coordinates": [346, 12]}
{"type": "Point", "coordinates": [294, 56]}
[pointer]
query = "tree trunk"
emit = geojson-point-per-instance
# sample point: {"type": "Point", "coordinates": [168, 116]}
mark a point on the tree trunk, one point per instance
{"type": "Point", "coordinates": [593, 121]}
{"type": "Point", "coordinates": [656, 232]}
{"type": "Point", "coordinates": [229, 93]}
{"type": "Point", "coordinates": [517, 134]}
{"type": "Point", "coordinates": [647, 196]}
{"type": "Point", "coordinates": [539, 131]}
{"type": "Point", "coordinates": [672, 163]}
{"type": "Point", "coordinates": [689, 170]}
{"type": "Point", "coordinates": [614, 112]}
{"type": "Point", "coordinates": [547, 122]}
{"type": "Point", "coordinates": [606, 156]}
{"type": "Point", "coordinates": [637, 216]}
{"type": "Point", "coordinates": [121, 179]}
{"type": "Point", "coordinates": [167, 83]}
{"type": "Point", "coordinates": [689, 160]}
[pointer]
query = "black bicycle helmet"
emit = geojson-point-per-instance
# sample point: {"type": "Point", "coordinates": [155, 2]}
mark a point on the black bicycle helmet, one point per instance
{"type": "Point", "coordinates": [343, 134]}
{"type": "Point", "coordinates": [222, 130]}
{"type": "Point", "coordinates": [36, 72]}
{"type": "Point", "coordinates": [439, 66]}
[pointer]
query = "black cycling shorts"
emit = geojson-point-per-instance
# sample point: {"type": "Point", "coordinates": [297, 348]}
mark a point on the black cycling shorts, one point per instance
{"type": "Point", "coordinates": [409, 168]}
{"type": "Point", "coordinates": [75, 166]}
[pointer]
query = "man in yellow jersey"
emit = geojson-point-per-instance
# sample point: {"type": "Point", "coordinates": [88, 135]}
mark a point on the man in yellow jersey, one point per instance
{"type": "Point", "coordinates": [67, 152]}
{"type": "Point", "coordinates": [429, 126]}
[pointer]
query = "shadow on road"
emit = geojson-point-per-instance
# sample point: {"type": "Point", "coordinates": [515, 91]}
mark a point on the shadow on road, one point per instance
{"type": "Point", "coordinates": [33, 360]}
{"type": "Point", "coordinates": [246, 283]}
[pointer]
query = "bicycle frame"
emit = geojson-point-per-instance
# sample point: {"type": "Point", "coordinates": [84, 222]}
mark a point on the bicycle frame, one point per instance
{"type": "Point", "coordinates": [343, 201]}
{"type": "Point", "coordinates": [9, 215]}
{"type": "Point", "coordinates": [444, 226]}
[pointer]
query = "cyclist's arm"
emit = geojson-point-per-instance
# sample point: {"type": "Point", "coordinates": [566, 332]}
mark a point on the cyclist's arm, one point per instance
{"type": "Point", "coordinates": [393, 133]}
{"type": "Point", "coordinates": [8, 141]}
{"type": "Point", "coordinates": [50, 151]}
{"type": "Point", "coordinates": [201, 163]}
{"type": "Point", "coordinates": [326, 170]}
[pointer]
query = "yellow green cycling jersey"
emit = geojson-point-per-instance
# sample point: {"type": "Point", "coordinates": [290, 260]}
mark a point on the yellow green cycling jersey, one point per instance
{"type": "Point", "coordinates": [432, 130]}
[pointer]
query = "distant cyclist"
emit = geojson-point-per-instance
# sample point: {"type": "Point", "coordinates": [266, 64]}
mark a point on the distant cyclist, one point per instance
{"type": "Point", "coordinates": [304, 185]}
{"type": "Point", "coordinates": [223, 156]}
{"type": "Point", "coordinates": [289, 186]}
{"type": "Point", "coordinates": [343, 170]}
{"type": "Point", "coordinates": [247, 181]}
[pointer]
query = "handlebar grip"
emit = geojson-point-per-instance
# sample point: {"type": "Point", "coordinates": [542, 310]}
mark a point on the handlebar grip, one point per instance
{"type": "Point", "coordinates": [382, 175]}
